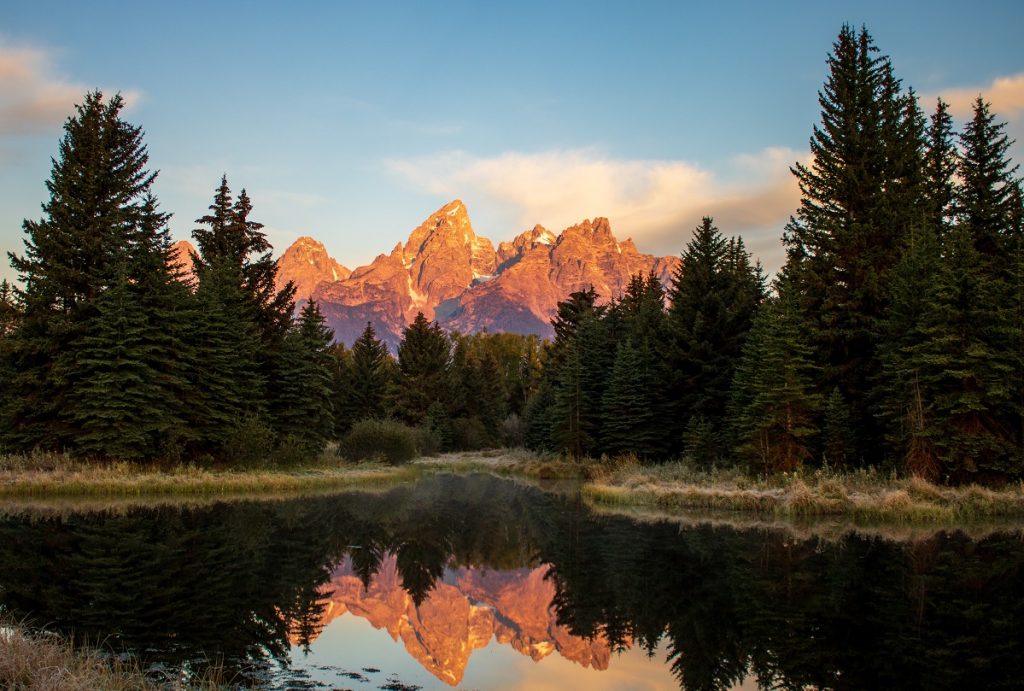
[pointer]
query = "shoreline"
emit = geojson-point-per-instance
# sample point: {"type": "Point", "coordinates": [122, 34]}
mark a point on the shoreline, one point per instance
{"type": "Point", "coordinates": [617, 486]}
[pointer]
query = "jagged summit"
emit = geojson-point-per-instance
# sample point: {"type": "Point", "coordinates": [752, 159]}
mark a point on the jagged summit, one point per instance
{"type": "Point", "coordinates": [451, 274]}
{"type": "Point", "coordinates": [307, 264]}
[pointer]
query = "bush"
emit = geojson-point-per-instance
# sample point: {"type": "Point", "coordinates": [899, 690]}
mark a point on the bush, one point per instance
{"type": "Point", "coordinates": [388, 440]}
{"type": "Point", "coordinates": [427, 441]}
{"type": "Point", "coordinates": [250, 443]}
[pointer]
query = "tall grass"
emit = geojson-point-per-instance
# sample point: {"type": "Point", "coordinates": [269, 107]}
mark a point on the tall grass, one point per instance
{"type": "Point", "coordinates": [43, 474]}
{"type": "Point", "coordinates": [44, 661]}
{"type": "Point", "coordinates": [864, 495]}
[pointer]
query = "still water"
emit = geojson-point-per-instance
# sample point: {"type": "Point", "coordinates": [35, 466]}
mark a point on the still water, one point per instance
{"type": "Point", "coordinates": [483, 583]}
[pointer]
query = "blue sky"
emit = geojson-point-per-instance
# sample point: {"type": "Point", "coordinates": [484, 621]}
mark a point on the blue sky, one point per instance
{"type": "Point", "coordinates": [351, 122]}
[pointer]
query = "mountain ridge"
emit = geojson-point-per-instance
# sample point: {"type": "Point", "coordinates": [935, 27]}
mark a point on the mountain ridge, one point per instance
{"type": "Point", "coordinates": [451, 274]}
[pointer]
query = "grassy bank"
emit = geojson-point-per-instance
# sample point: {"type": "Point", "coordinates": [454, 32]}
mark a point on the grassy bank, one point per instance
{"type": "Point", "coordinates": [863, 496]}
{"type": "Point", "coordinates": [622, 484]}
{"type": "Point", "coordinates": [44, 661]}
{"type": "Point", "coordinates": [42, 475]}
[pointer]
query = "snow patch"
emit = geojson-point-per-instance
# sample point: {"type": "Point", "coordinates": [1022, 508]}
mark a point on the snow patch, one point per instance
{"type": "Point", "coordinates": [311, 262]}
{"type": "Point", "coordinates": [454, 210]}
{"type": "Point", "coordinates": [334, 272]}
{"type": "Point", "coordinates": [418, 299]}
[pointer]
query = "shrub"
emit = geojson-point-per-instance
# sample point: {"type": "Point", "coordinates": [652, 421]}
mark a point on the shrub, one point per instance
{"type": "Point", "coordinates": [427, 441]}
{"type": "Point", "coordinates": [385, 439]}
{"type": "Point", "coordinates": [250, 442]}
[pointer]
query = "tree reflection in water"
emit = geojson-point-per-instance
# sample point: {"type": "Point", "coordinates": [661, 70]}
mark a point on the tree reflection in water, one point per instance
{"type": "Point", "coordinates": [242, 581]}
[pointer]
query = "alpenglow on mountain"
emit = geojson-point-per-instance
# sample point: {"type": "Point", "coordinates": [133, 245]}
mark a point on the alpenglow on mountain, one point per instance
{"type": "Point", "coordinates": [451, 274]}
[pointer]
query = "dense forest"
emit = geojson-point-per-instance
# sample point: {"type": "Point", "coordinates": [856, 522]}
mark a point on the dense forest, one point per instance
{"type": "Point", "coordinates": [893, 336]}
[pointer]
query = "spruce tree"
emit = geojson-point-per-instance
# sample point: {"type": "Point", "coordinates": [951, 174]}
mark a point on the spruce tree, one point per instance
{"type": "Point", "coordinates": [117, 405]}
{"type": "Point", "coordinates": [98, 189]}
{"type": "Point", "coordinates": [713, 298]}
{"type": "Point", "coordinates": [849, 230]}
{"type": "Point", "coordinates": [774, 407]}
{"type": "Point", "coordinates": [966, 373]}
{"type": "Point", "coordinates": [576, 416]}
{"type": "Point", "coordinates": [424, 359]}
{"type": "Point", "coordinates": [304, 416]}
{"type": "Point", "coordinates": [940, 162]}
{"type": "Point", "coordinates": [632, 411]}
{"type": "Point", "coordinates": [368, 375]}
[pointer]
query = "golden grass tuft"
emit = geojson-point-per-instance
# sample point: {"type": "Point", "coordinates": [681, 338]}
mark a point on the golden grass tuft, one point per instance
{"type": "Point", "coordinates": [44, 661]}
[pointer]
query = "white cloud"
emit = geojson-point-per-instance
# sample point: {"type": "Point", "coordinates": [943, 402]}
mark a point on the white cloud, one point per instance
{"type": "Point", "coordinates": [33, 99]}
{"type": "Point", "coordinates": [1004, 94]}
{"type": "Point", "coordinates": [657, 202]}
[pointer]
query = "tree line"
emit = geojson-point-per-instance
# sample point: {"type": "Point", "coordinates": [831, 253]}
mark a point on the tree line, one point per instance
{"type": "Point", "coordinates": [110, 349]}
{"type": "Point", "coordinates": [893, 335]}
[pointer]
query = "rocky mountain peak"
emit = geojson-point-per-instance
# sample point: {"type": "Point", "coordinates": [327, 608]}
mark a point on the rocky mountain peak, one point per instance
{"type": "Point", "coordinates": [307, 264]}
{"type": "Point", "coordinates": [181, 258]}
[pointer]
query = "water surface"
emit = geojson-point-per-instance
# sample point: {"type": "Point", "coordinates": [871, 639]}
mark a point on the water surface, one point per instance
{"type": "Point", "coordinates": [479, 583]}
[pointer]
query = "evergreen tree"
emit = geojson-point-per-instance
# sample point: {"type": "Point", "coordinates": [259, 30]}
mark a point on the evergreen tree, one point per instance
{"type": "Point", "coordinates": [849, 230]}
{"type": "Point", "coordinates": [424, 359]}
{"type": "Point", "coordinates": [773, 406]}
{"type": "Point", "coordinates": [369, 373]}
{"type": "Point", "coordinates": [9, 310]}
{"type": "Point", "coordinates": [117, 405]}
{"type": "Point", "coordinates": [579, 387]}
{"type": "Point", "coordinates": [228, 389]}
{"type": "Point", "coordinates": [98, 190]}
{"type": "Point", "coordinates": [305, 414]}
{"type": "Point", "coordinates": [633, 413]}
{"type": "Point", "coordinates": [985, 197]}
{"type": "Point", "coordinates": [713, 297]}
{"type": "Point", "coordinates": [940, 163]}
{"type": "Point", "coordinates": [836, 431]}
{"type": "Point", "coordinates": [966, 374]}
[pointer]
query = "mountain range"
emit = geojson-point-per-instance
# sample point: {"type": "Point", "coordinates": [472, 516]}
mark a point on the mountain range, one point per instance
{"type": "Point", "coordinates": [451, 274]}
{"type": "Point", "coordinates": [463, 612]}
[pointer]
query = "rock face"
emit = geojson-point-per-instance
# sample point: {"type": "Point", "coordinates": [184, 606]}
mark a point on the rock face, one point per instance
{"type": "Point", "coordinates": [181, 258]}
{"type": "Point", "coordinates": [461, 614]}
{"type": "Point", "coordinates": [451, 274]}
{"type": "Point", "coordinates": [307, 264]}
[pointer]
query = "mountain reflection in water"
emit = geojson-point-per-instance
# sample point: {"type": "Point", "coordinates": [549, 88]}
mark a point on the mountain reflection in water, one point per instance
{"type": "Point", "coordinates": [451, 563]}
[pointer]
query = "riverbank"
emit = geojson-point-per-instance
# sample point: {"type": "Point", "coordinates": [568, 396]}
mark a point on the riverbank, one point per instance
{"type": "Point", "coordinates": [619, 484]}
{"type": "Point", "coordinates": [866, 496]}
{"type": "Point", "coordinates": [54, 475]}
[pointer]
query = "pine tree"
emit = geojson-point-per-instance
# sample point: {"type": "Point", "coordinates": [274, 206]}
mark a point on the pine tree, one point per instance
{"type": "Point", "coordinates": [836, 431]}
{"type": "Point", "coordinates": [940, 162]}
{"type": "Point", "coordinates": [849, 231]}
{"type": "Point", "coordinates": [369, 374]}
{"type": "Point", "coordinates": [773, 407]}
{"type": "Point", "coordinates": [98, 189]}
{"type": "Point", "coordinates": [985, 197]}
{"type": "Point", "coordinates": [576, 418]}
{"type": "Point", "coordinates": [117, 405]}
{"type": "Point", "coordinates": [713, 298]}
{"type": "Point", "coordinates": [228, 389]}
{"type": "Point", "coordinates": [632, 409]}
{"type": "Point", "coordinates": [965, 372]}
{"type": "Point", "coordinates": [424, 359]}
{"type": "Point", "coordinates": [305, 414]}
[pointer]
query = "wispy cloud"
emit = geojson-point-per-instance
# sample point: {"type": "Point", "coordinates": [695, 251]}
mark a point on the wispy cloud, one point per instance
{"type": "Point", "coordinates": [657, 202]}
{"type": "Point", "coordinates": [1004, 94]}
{"type": "Point", "coordinates": [33, 99]}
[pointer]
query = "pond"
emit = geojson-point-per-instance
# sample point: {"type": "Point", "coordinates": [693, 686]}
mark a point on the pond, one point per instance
{"type": "Point", "coordinates": [476, 582]}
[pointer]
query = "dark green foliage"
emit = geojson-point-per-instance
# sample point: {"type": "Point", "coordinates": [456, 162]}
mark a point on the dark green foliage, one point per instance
{"type": "Point", "coordinates": [854, 212]}
{"type": "Point", "coordinates": [579, 387]}
{"type": "Point", "coordinates": [837, 435]}
{"type": "Point", "coordinates": [304, 412]}
{"type": "Point", "coordinates": [389, 440]}
{"type": "Point", "coordinates": [424, 359]}
{"type": "Point", "coordinates": [366, 374]}
{"type": "Point", "coordinates": [940, 163]}
{"type": "Point", "coordinates": [632, 408]}
{"type": "Point", "coordinates": [965, 373]}
{"type": "Point", "coordinates": [228, 387]}
{"type": "Point", "coordinates": [10, 313]}
{"type": "Point", "coordinates": [774, 406]}
{"type": "Point", "coordinates": [98, 205]}
{"type": "Point", "coordinates": [117, 405]}
{"type": "Point", "coordinates": [714, 296]}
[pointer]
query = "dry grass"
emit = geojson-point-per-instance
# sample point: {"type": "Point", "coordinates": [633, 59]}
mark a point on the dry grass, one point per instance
{"type": "Point", "coordinates": [863, 496]}
{"type": "Point", "coordinates": [40, 475]}
{"type": "Point", "coordinates": [507, 462]}
{"type": "Point", "coordinates": [44, 661]}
